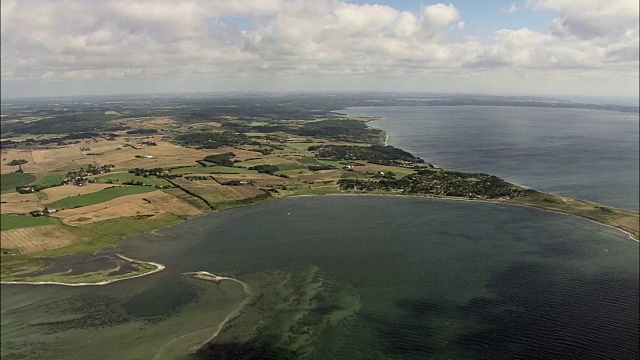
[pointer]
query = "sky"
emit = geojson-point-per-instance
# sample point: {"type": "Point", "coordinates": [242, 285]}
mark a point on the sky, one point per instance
{"type": "Point", "coordinates": [524, 47]}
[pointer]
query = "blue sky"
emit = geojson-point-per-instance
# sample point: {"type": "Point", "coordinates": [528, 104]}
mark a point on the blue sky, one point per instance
{"type": "Point", "coordinates": [483, 17]}
{"type": "Point", "coordinates": [549, 47]}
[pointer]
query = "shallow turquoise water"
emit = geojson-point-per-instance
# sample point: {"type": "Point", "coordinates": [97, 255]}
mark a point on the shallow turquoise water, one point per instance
{"type": "Point", "coordinates": [436, 279]}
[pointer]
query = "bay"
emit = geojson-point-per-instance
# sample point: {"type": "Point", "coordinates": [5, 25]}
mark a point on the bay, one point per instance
{"type": "Point", "coordinates": [345, 277]}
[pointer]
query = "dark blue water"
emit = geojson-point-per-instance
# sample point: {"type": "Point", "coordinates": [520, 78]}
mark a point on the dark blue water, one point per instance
{"type": "Point", "coordinates": [585, 154]}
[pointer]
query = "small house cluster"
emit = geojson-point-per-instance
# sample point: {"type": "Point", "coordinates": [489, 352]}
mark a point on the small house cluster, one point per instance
{"type": "Point", "coordinates": [158, 172]}
{"type": "Point", "coordinates": [44, 212]}
{"type": "Point", "coordinates": [79, 177]}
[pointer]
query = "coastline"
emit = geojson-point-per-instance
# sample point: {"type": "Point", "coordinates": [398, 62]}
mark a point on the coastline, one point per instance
{"type": "Point", "coordinates": [336, 191]}
{"type": "Point", "coordinates": [158, 267]}
{"type": "Point", "coordinates": [488, 201]}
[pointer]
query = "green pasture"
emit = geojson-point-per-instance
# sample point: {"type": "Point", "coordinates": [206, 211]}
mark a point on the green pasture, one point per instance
{"type": "Point", "coordinates": [98, 197]}
{"type": "Point", "coordinates": [49, 179]}
{"type": "Point", "coordinates": [12, 221]}
{"type": "Point", "coordinates": [8, 182]}
{"type": "Point", "coordinates": [119, 178]}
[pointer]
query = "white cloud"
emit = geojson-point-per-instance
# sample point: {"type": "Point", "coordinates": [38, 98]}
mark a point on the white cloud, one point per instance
{"type": "Point", "coordinates": [113, 40]}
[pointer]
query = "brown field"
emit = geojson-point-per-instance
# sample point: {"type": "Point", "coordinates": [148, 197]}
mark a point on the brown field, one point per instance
{"type": "Point", "coordinates": [14, 154]}
{"type": "Point", "coordinates": [210, 190]}
{"type": "Point", "coordinates": [147, 204]}
{"type": "Point", "coordinates": [164, 155]}
{"type": "Point", "coordinates": [36, 238]}
{"type": "Point", "coordinates": [247, 191]}
{"type": "Point", "coordinates": [117, 153]}
{"type": "Point", "coordinates": [19, 203]}
{"type": "Point", "coordinates": [60, 192]}
{"type": "Point", "coordinates": [322, 175]}
{"type": "Point", "coordinates": [172, 204]}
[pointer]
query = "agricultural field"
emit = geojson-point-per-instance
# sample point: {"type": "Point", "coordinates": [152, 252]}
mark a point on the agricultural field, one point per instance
{"type": "Point", "coordinates": [36, 238]}
{"type": "Point", "coordinates": [210, 190]}
{"type": "Point", "coordinates": [13, 221]}
{"type": "Point", "coordinates": [9, 181]}
{"type": "Point", "coordinates": [98, 197]}
{"type": "Point", "coordinates": [49, 179]}
{"type": "Point", "coordinates": [171, 204]}
{"type": "Point", "coordinates": [16, 203]}
{"type": "Point", "coordinates": [198, 169]}
{"type": "Point", "coordinates": [122, 177]}
{"type": "Point", "coordinates": [98, 215]}
{"type": "Point", "coordinates": [57, 193]}
{"type": "Point", "coordinates": [147, 205]}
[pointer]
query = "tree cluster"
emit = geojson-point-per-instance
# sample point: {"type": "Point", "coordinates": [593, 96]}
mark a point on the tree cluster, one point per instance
{"type": "Point", "coordinates": [158, 172]}
{"type": "Point", "coordinates": [265, 169]}
{"type": "Point", "coordinates": [220, 159]}
{"type": "Point", "coordinates": [441, 183]}
{"type": "Point", "coordinates": [17, 162]}
{"type": "Point", "coordinates": [213, 140]}
{"type": "Point", "coordinates": [142, 131]}
{"type": "Point", "coordinates": [379, 154]}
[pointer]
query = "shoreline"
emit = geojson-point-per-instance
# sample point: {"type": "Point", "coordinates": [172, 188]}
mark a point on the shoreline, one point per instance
{"type": "Point", "coordinates": [156, 232]}
{"type": "Point", "coordinates": [159, 267]}
{"type": "Point", "coordinates": [487, 201]}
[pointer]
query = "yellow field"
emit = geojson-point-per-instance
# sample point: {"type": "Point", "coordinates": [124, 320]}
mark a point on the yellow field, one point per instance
{"type": "Point", "coordinates": [147, 204]}
{"type": "Point", "coordinates": [172, 204]}
{"type": "Point", "coordinates": [60, 192]}
{"type": "Point", "coordinates": [13, 154]}
{"type": "Point", "coordinates": [211, 190]}
{"type": "Point", "coordinates": [36, 238]}
{"type": "Point", "coordinates": [118, 153]}
{"type": "Point", "coordinates": [19, 203]}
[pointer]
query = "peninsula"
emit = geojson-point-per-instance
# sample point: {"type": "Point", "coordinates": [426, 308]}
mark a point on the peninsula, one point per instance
{"type": "Point", "coordinates": [77, 179]}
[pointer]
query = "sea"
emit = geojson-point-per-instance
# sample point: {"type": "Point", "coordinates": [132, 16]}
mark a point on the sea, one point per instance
{"type": "Point", "coordinates": [368, 277]}
{"type": "Point", "coordinates": [586, 154]}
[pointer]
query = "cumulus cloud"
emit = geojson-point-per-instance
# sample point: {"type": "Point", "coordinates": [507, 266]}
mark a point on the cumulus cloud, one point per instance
{"type": "Point", "coordinates": [123, 39]}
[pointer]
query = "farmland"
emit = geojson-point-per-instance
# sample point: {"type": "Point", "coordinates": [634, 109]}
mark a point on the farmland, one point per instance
{"type": "Point", "coordinates": [98, 197]}
{"type": "Point", "coordinates": [9, 181]}
{"type": "Point", "coordinates": [12, 221]}
{"type": "Point", "coordinates": [257, 151]}
{"type": "Point", "coordinates": [36, 238]}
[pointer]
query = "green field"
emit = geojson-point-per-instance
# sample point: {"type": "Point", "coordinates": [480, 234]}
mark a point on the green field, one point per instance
{"type": "Point", "coordinates": [197, 169]}
{"type": "Point", "coordinates": [10, 221]}
{"type": "Point", "coordinates": [270, 161]}
{"type": "Point", "coordinates": [49, 179]}
{"type": "Point", "coordinates": [8, 182]}
{"type": "Point", "coordinates": [98, 197]}
{"type": "Point", "coordinates": [119, 178]}
{"type": "Point", "coordinates": [309, 160]}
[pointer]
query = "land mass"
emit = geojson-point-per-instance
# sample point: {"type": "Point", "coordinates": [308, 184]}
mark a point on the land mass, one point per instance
{"type": "Point", "coordinates": [76, 179]}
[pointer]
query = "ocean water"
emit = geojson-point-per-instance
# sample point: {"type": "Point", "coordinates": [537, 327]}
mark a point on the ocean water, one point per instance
{"type": "Point", "coordinates": [391, 278]}
{"type": "Point", "coordinates": [585, 154]}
